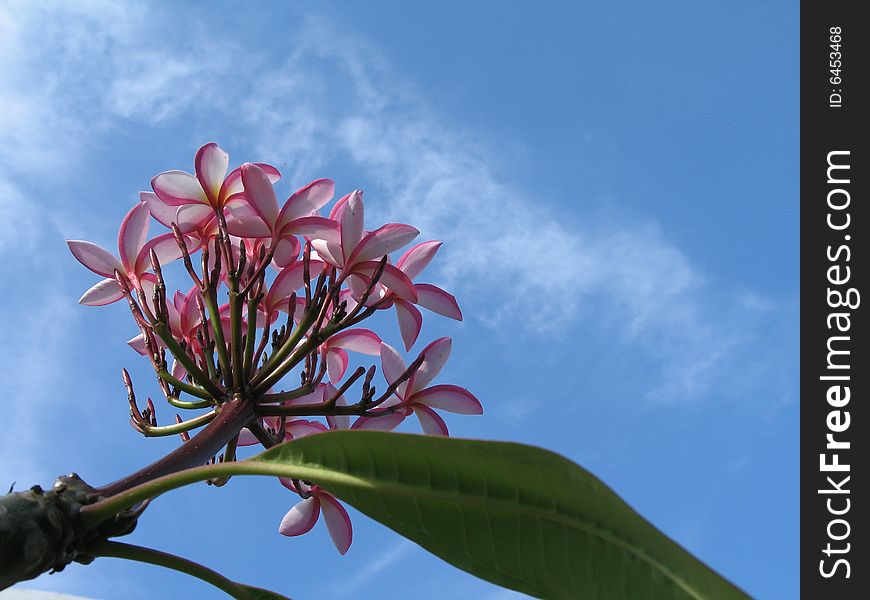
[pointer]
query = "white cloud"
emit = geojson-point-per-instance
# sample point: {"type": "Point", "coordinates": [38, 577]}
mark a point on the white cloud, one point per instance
{"type": "Point", "coordinates": [72, 72]}
{"type": "Point", "coordinates": [506, 249]}
{"type": "Point", "coordinates": [352, 584]}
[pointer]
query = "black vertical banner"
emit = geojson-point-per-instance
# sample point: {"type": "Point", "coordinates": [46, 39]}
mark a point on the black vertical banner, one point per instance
{"type": "Point", "coordinates": [835, 372]}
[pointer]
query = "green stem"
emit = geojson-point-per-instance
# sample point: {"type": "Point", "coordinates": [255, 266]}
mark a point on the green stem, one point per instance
{"type": "Point", "coordinates": [210, 297]}
{"type": "Point", "coordinates": [275, 360]}
{"type": "Point", "coordinates": [96, 513]}
{"type": "Point", "coordinates": [176, 563]}
{"type": "Point", "coordinates": [189, 405]}
{"type": "Point", "coordinates": [251, 335]}
{"type": "Point", "coordinates": [181, 355]}
{"type": "Point", "coordinates": [183, 386]}
{"type": "Point", "coordinates": [294, 359]}
{"type": "Point", "coordinates": [302, 390]}
{"type": "Point", "coordinates": [236, 331]}
{"type": "Point", "coordinates": [163, 430]}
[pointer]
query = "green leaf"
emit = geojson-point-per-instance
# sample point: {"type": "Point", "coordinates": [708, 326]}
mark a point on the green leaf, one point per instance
{"type": "Point", "coordinates": [515, 515]}
{"type": "Point", "coordinates": [519, 516]}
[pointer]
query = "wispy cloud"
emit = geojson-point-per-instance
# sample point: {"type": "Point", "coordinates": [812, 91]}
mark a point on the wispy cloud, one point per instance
{"type": "Point", "coordinates": [73, 73]}
{"type": "Point", "coordinates": [355, 583]}
{"type": "Point", "coordinates": [508, 252]}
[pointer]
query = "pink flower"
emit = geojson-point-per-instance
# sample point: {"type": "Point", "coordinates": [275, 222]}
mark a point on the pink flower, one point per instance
{"type": "Point", "coordinates": [333, 351]}
{"type": "Point", "coordinates": [358, 252]}
{"type": "Point", "coordinates": [429, 296]}
{"type": "Point", "coordinates": [414, 396]}
{"type": "Point", "coordinates": [302, 517]}
{"type": "Point", "coordinates": [210, 190]}
{"type": "Point", "coordinates": [134, 249]}
{"type": "Point", "coordinates": [260, 217]}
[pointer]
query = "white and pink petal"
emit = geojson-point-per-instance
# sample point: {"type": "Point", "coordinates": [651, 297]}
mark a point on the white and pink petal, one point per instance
{"type": "Point", "coordinates": [430, 422]}
{"type": "Point", "coordinates": [100, 261]}
{"type": "Point", "coordinates": [410, 322]}
{"type": "Point", "coordinates": [211, 163]}
{"type": "Point", "coordinates": [103, 292]}
{"type": "Point", "coordinates": [177, 187]}
{"type": "Point", "coordinates": [437, 300]}
{"type": "Point", "coordinates": [418, 258]}
{"type": "Point", "coordinates": [436, 355]}
{"type": "Point", "coordinates": [451, 398]}
{"type": "Point", "coordinates": [383, 241]}
{"type": "Point", "coordinates": [301, 518]}
{"type": "Point", "coordinates": [337, 522]}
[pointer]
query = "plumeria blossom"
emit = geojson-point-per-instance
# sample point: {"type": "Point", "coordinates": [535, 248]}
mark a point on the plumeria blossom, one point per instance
{"type": "Point", "coordinates": [429, 296]}
{"type": "Point", "coordinates": [134, 249]}
{"type": "Point", "coordinates": [282, 379]}
{"type": "Point", "coordinates": [357, 252]}
{"type": "Point", "coordinates": [202, 195]}
{"type": "Point", "coordinates": [298, 216]}
{"type": "Point", "coordinates": [414, 397]}
{"type": "Point", "coordinates": [333, 351]}
{"type": "Point", "coordinates": [304, 515]}
{"type": "Point", "coordinates": [184, 318]}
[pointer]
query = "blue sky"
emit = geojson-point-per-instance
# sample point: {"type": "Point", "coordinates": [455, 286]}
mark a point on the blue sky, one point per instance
{"type": "Point", "coordinates": [616, 187]}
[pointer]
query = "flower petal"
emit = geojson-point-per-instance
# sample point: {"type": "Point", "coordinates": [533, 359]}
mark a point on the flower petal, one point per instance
{"type": "Point", "coordinates": [328, 251]}
{"type": "Point", "coordinates": [437, 300]}
{"type": "Point", "coordinates": [164, 213]}
{"type": "Point", "coordinates": [132, 236]}
{"type": "Point", "coordinates": [193, 217]}
{"type": "Point", "coordinates": [232, 185]}
{"type": "Point", "coordinates": [337, 522]}
{"type": "Point", "coordinates": [178, 371]}
{"type": "Point", "coordinates": [260, 193]}
{"type": "Point", "coordinates": [392, 366]}
{"type": "Point", "coordinates": [352, 217]}
{"type": "Point", "coordinates": [364, 341]}
{"type": "Point", "coordinates": [211, 164]}
{"type": "Point", "coordinates": [339, 421]}
{"type": "Point", "coordinates": [166, 248]}
{"type": "Point", "coordinates": [315, 227]}
{"type": "Point", "coordinates": [391, 277]}
{"type": "Point", "coordinates": [292, 279]}
{"type": "Point", "coordinates": [386, 422]}
{"type": "Point", "coordinates": [336, 364]}
{"type": "Point", "coordinates": [436, 355]}
{"type": "Point", "coordinates": [383, 241]}
{"type": "Point", "coordinates": [177, 187]}
{"type": "Point", "coordinates": [301, 518]}
{"type": "Point", "coordinates": [300, 428]}
{"type": "Point", "coordinates": [246, 438]}
{"type": "Point", "coordinates": [451, 398]}
{"type": "Point", "coordinates": [410, 322]}
{"type": "Point", "coordinates": [431, 423]}
{"type": "Point", "coordinates": [104, 292]}
{"type": "Point", "coordinates": [418, 258]}
{"type": "Point", "coordinates": [306, 201]}
{"type": "Point", "coordinates": [286, 251]}
{"type": "Point", "coordinates": [244, 221]}
{"type": "Point", "coordinates": [138, 344]}
{"type": "Point", "coordinates": [100, 261]}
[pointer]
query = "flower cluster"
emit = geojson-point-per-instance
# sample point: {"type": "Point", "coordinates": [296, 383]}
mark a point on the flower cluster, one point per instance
{"type": "Point", "coordinates": [278, 292]}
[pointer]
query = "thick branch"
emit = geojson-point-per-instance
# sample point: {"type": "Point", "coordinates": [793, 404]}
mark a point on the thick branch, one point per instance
{"type": "Point", "coordinates": [231, 418]}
